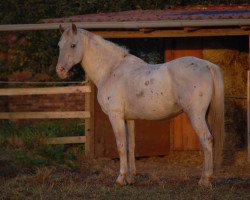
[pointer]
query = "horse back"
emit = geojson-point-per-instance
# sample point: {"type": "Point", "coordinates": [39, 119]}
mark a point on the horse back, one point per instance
{"type": "Point", "coordinates": [147, 91]}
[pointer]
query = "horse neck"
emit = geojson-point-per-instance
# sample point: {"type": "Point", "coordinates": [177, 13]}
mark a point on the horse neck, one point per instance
{"type": "Point", "coordinates": [99, 58]}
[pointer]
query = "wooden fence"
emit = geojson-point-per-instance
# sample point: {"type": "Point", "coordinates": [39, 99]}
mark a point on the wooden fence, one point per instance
{"type": "Point", "coordinates": [86, 115]}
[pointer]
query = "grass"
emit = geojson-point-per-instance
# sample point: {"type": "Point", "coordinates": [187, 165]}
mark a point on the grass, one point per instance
{"type": "Point", "coordinates": [24, 145]}
{"type": "Point", "coordinates": [44, 128]}
{"type": "Point", "coordinates": [49, 183]}
{"type": "Point", "coordinates": [29, 170]}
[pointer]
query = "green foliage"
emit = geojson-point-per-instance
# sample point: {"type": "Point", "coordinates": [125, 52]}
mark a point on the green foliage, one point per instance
{"type": "Point", "coordinates": [57, 155]}
{"type": "Point", "coordinates": [41, 50]}
{"type": "Point", "coordinates": [34, 51]}
{"type": "Point", "coordinates": [55, 128]}
{"type": "Point", "coordinates": [25, 143]}
{"type": "Point", "coordinates": [31, 11]}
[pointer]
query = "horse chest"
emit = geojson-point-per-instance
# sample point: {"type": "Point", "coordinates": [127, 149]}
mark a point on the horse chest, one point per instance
{"type": "Point", "coordinates": [108, 101]}
{"type": "Point", "coordinates": [102, 100]}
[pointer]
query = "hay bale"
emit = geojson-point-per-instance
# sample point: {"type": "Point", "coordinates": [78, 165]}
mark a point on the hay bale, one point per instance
{"type": "Point", "coordinates": [234, 65]}
{"type": "Point", "coordinates": [232, 57]}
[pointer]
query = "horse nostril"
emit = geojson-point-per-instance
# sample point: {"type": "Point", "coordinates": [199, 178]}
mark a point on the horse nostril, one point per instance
{"type": "Point", "coordinates": [60, 69]}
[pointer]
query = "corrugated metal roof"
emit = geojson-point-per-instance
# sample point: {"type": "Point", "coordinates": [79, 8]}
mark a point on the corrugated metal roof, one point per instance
{"type": "Point", "coordinates": [170, 13]}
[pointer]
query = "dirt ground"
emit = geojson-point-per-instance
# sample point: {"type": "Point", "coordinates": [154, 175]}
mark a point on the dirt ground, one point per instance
{"type": "Point", "coordinates": [171, 177]}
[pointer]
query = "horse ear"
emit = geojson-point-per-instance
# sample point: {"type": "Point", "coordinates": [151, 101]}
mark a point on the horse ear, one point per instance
{"type": "Point", "coordinates": [74, 29]}
{"type": "Point", "coordinates": [61, 29]}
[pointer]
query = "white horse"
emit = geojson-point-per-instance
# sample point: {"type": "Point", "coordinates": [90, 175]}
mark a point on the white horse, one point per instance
{"type": "Point", "coordinates": [129, 89]}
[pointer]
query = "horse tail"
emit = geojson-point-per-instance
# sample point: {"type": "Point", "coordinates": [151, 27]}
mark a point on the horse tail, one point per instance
{"type": "Point", "coordinates": [216, 115]}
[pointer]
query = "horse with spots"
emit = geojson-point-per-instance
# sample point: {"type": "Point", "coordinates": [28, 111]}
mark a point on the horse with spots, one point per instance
{"type": "Point", "coordinates": [129, 89]}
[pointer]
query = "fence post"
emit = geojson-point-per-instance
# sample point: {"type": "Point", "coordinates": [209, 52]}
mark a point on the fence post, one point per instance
{"type": "Point", "coordinates": [248, 102]}
{"type": "Point", "coordinates": [89, 123]}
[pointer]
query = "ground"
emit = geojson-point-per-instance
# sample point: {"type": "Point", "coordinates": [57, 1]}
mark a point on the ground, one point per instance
{"type": "Point", "coordinates": [170, 177]}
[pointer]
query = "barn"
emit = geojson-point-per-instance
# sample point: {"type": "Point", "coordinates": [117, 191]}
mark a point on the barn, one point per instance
{"type": "Point", "coordinates": [216, 33]}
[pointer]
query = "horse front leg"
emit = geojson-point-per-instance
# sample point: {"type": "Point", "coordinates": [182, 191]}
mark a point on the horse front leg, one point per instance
{"type": "Point", "coordinates": [118, 125]}
{"type": "Point", "coordinates": [131, 151]}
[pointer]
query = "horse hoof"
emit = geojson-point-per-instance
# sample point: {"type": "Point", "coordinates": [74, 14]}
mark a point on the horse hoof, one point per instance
{"type": "Point", "coordinates": [120, 181]}
{"type": "Point", "coordinates": [130, 180]}
{"type": "Point", "coordinates": [205, 183]}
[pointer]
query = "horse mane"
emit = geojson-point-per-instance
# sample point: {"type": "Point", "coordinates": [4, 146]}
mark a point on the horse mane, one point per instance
{"type": "Point", "coordinates": [105, 44]}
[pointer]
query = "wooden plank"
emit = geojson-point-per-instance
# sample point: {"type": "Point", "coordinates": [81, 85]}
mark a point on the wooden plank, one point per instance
{"type": "Point", "coordinates": [89, 123]}
{"type": "Point", "coordinates": [248, 107]}
{"type": "Point", "coordinates": [173, 33]}
{"type": "Point", "coordinates": [183, 137]}
{"type": "Point", "coordinates": [248, 113]}
{"type": "Point", "coordinates": [168, 56]}
{"type": "Point", "coordinates": [189, 29]}
{"type": "Point", "coordinates": [65, 140]}
{"type": "Point", "coordinates": [245, 28]}
{"type": "Point", "coordinates": [45, 90]}
{"type": "Point", "coordinates": [45, 115]}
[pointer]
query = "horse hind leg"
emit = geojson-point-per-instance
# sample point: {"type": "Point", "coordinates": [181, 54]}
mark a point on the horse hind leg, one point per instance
{"type": "Point", "coordinates": [206, 140]}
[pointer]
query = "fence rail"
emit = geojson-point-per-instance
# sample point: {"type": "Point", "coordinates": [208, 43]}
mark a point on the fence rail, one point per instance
{"type": "Point", "coordinates": [66, 140]}
{"type": "Point", "coordinates": [45, 115]}
{"type": "Point", "coordinates": [45, 90]}
{"type": "Point", "coordinates": [50, 115]}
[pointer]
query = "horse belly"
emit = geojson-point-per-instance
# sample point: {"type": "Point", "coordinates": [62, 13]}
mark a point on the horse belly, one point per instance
{"type": "Point", "coordinates": [151, 106]}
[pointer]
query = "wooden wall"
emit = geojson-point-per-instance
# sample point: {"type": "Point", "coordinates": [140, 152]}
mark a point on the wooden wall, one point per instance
{"type": "Point", "coordinates": [183, 137]}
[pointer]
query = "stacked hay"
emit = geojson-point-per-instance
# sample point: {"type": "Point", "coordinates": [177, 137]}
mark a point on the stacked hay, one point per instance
{"type": "Point", "coordinates": [231, 54]}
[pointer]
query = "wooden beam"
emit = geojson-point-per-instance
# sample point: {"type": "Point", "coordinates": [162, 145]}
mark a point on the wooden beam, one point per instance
{"type": "Point", "coordinates": [248, 112]}
{"type": "Point", "coordinates": [129, 24]}
{"type": "Point", "coordinates": [146, 30]}
{"type": "Point", "coordinates": [45, 115]}
{"type": "Point", "coordinates": [45, 90]}
{"type": "Point", "coordinates": [248, 101]}
{"type": "Point", "coordinates": [65, 140]}
{"type": "Point", "coordinates": [245, 28]}
{"type": "Point", "coordinates": [89, 123]}
{"type": "Point", "coordinates": [173, 33]}
{"type": "Point", "coordinates": [190, 29]}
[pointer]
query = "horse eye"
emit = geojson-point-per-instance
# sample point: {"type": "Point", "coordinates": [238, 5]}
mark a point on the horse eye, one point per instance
{"type": "Point", "coordinates": [73, 45]}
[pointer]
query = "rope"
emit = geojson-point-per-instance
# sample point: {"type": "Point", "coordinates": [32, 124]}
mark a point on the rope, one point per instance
{"type": "Point", "coordinates": [30, 82]}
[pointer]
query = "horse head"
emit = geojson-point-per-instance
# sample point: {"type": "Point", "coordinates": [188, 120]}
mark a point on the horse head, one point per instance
{"type": "Point", "coordinates": [71, 51]}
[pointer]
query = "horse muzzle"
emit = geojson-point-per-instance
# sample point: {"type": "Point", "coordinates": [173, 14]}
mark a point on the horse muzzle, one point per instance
{"type": "Point", "coordinates": [61, 72]}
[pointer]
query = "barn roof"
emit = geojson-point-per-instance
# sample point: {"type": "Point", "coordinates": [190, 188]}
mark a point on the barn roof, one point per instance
{"type": "Point", "coordinates": [169, 13]}
{"type": "Point", "coordinates": [173, 21]}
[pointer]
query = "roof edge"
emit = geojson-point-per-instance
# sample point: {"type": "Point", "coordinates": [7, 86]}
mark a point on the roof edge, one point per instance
{"type": "Point", "coordinates": [131, 24]}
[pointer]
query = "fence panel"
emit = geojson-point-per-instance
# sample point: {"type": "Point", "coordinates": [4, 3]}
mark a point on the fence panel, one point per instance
{"type": "Point", "coordinates": [50, 115]}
